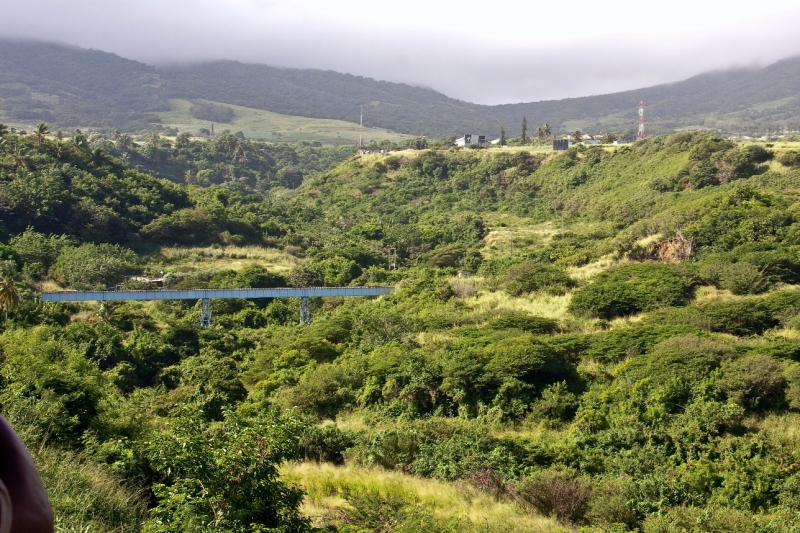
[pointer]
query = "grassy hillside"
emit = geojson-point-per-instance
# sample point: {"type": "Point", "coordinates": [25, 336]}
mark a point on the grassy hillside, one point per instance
{"type": "Point", "coordinates": [268, 126]}
{"type": "Point", "coordinates": [72, 87]}
{"type": "Point", "coordinates": [624, 357]}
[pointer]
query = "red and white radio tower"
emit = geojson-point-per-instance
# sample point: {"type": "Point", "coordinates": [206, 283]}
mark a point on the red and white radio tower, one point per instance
{"type": "Point", "coordinates": [641, 119]}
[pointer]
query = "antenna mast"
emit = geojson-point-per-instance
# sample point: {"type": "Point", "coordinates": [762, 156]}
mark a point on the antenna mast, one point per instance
{"type": "Point", "coordinates": [641, 119]}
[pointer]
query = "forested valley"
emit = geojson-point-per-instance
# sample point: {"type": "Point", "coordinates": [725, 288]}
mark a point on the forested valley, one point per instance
{"type": "Point", "coordinates": [603, 339]}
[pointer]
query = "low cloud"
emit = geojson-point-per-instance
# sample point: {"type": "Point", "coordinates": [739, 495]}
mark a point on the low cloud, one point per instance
{"type": "Point", "coordinates": [513, 53]}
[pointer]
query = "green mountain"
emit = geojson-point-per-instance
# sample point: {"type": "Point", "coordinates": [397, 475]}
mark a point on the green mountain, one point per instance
{"type": "Point", "coordinates": [70, 87]}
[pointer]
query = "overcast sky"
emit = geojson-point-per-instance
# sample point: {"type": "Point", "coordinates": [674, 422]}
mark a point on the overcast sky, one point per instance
{"type": "Point", "coordinates": [481, 51]}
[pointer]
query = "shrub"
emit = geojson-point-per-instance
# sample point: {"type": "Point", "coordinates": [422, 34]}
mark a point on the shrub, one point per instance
{"type": "Point", "coordinates": [688, 358]}
{"type": "Point", "coordinates": [610, 505]}
{"type": "Point", "coordinates": [196, 467]}
{"type": "Point", "coordinates": [556, 492]}
{"type": "Point", "coordinates": [184, 226]}
{"type": "Point", "coordinates": [337, 271]}
{"type": "Point", "coordinates": [533, 276]}
{"type": "Point", "coordinates": [792, 376]}
{"type": "Point", "coordinates": [325, 443]}
{"type": "Point", "coordinates": [529, 323]}
{"type": "Point", "coordinates": [303, 276]}
{"type": "Point", "coordinates": [790, 159]}
{"type": "Point", "coordinates": [401, 513]}
{"type": "Point", "coordinates": [743, 278]}
{"type": "Point", "coordinates": [444, 256]}
{"type": "Point", "coordinates": [323, 392]}
{"type": "Point", "coordinates": [740, 317]}
{"type": "Point", "coordinates": [755, 153]}
{"type": "Point", "coordinates": [7, 253]}
{"type": "Point", "coordinates": [289, 177]}
{"type": "Point", "coordinates": [92, 266]}
{"type": "Point", "coordinates": [617, 344]}
{"type": "Point", "coordinates": [34, 247]}
{"type": "Point", "coordinates": [755, 382]}
{"type": "Point", "coordinates": [557, 403]}
{"type": "Point", "coordinates": [707, 520]}
{"type": "Point", "coordinates": [630, 289]}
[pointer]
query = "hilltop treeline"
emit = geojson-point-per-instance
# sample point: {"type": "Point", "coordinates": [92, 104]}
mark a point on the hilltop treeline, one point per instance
{"type": "Point", "coordinates": [631, 364]}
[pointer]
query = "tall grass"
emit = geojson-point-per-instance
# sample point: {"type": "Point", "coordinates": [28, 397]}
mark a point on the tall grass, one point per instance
{"type": "Point", "coordinates": [327, 487]}
{"type": "Point", "coordinates": [229, 257]}
{"type": "Point", "coordinates": [589, 270]}
{"type": "Point", "coordinates": [88, 497]}
{"type": "Point", "coordinates": [539, 304]}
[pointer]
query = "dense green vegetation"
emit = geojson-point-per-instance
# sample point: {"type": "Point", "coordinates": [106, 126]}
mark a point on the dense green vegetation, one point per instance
{"type": "Point", "coordinates": [624, 357]}
{"type": "Point", "coordinates": [72, 87]}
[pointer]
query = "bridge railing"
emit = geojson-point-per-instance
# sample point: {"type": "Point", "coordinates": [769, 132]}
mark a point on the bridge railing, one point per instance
{"type": "Point", "coordinates": [304, 293]}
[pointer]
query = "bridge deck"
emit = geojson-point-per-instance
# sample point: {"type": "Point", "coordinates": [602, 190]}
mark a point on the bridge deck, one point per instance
{"type": "Point", "coordinates": [204, 294]}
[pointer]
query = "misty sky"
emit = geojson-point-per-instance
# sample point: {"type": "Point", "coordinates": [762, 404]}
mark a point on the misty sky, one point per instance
{"type": "Point", "coordinates": [484, 52]}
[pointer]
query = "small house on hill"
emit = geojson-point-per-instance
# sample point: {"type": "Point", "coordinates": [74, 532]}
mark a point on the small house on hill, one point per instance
{"type": "Point", "coordinates": [372, 150]}
{"type": "Point", "coordinates": [468, 139]}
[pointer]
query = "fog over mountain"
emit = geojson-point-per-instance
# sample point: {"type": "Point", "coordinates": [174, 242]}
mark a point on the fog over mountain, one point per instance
{"type": "Point", "coordinates": [514, 52]}
{"type": "Point", "coordinates": [68, 86]}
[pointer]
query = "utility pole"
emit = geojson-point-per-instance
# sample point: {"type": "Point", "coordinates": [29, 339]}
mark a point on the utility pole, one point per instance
{"type": "Point", "coordinates": [361, 129]}
{"type": "Point", "coordinates": [641, 119]}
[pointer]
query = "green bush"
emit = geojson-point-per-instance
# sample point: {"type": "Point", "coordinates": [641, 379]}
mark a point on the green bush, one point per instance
{"type": "Point", "coordinates": [743, 278]}
{"type": "Point", "coordinates": [739, 317]}
{"type": "Point", "coordinates": [790, 159]}
{"type": "Point", "coordinates": [532, 276]}
{"type": "Point", "coordinates": [92, 266]}
{"type": "Point", "coordinates": [529, 323]}
{"type": "Point", "coordinates": [631, 289]}
{"type": "Point", "coordinates": [618, 344]}
{"type": "Point", "coordinates": [34, 247]}
{"type": "Point", "coordinates": [792, 376]}
{"type": "Point", "coordinates": [194, 466]}
{"type": "Point", "coordinates": [8, 253]}
{"type": "Point", "coordinates": [444, 256]}
{"type": "Point", "coordinates": [337, 271]}
{"type": "Point", "coordinates": [688, 358]}
{"type": "Point", "coordinates": [611, 506]}
{"type": "Point", "coordinates": [755, 382]}
{"type": "Point", "coordinates": [557, 403]}
{"type": "Point", "coordinates": [303, 276]}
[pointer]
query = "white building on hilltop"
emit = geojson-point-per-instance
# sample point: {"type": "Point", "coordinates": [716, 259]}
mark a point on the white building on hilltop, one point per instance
{"type": "Point", "coordinates": [468, 139]}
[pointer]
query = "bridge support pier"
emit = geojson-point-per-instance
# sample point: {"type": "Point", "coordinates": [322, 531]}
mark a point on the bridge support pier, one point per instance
{"type": "Point", "coordinates": [205, 313]}
{"type": "Point", "coordinates": [305, 311]}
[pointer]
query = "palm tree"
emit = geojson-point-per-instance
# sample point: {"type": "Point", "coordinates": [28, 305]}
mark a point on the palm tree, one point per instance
{"type": "Point", "coordinates": [546, 130]}
{"type": "Point", "coordinates": [9, 295]}
{"type": "Point", "coordinates": [40, 131]}
{"type": "Point", "coordinates": [183, 140]}
{"type": "Point", "coordinates": [539, 134]}
{"type": "Point", "coordinates": [20, 156]}
{"type": "Point", "coordinates": [577, 136]}
{"type": "Point", "coordinates": [79, 139]}
{"type": "Point", "coordinates": [124, 143]}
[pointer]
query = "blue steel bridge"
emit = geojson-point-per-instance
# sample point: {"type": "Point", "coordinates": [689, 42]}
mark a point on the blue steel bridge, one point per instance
{"type": "Point", "coordinates": [304, 293]}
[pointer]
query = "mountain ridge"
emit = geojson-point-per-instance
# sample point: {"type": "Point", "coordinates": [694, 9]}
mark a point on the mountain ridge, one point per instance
{"type": "Point", "coordinates": [71, 86]}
